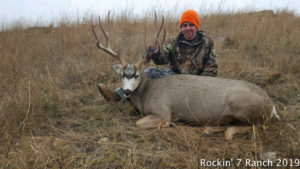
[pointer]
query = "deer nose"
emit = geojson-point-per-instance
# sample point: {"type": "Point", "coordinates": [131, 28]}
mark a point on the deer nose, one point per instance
{"type": "Point", "coordinates": [127, 92]}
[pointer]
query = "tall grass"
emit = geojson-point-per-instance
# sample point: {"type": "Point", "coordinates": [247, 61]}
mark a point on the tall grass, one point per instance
{"type": "Point", "coordinates": [48, 77]}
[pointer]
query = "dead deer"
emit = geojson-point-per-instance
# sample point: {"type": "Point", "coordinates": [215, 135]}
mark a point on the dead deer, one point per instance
{"type": "Point", "coordinates": [208, 101]}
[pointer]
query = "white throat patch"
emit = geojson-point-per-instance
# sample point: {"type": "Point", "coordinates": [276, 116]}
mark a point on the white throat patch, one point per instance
{"type": "Point", "coordinates": [130, 84]}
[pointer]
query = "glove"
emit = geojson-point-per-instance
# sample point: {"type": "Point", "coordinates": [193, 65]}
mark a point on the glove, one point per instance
{"type": "Point", "coordinates": [150, 53]}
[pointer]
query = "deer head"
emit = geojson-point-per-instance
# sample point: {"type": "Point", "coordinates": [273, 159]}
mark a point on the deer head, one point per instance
{"type": "Point", "coordinates": [129, 72]}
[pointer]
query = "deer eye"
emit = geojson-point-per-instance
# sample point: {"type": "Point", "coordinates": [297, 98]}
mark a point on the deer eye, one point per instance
{"type": "Point", "coordinates": [137, 76]}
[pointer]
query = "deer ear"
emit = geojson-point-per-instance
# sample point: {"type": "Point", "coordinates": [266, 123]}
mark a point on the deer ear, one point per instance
{"type": "Point", "coordinates": [118, 68]}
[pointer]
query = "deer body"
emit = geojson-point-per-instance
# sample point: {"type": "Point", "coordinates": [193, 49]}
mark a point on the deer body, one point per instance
{"type": "Point", "coordinates": [202, 100]}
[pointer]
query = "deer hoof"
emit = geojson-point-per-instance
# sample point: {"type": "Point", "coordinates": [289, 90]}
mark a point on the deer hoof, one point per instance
{"type": "Point", "coordinates": [229, 133]}
{"type": "Point", "coordinates": [207, 131]}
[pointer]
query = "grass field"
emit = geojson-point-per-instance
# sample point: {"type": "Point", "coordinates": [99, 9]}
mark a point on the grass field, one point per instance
{"type": "Point", "coordinates": [52, 116]}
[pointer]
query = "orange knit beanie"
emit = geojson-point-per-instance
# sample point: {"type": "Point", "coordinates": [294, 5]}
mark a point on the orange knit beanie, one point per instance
{"type": "Point", "coordinates": [190, 16]}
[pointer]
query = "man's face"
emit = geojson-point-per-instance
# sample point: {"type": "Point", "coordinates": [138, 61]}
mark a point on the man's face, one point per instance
{"type": "Point", "coordinates": [189, 30]}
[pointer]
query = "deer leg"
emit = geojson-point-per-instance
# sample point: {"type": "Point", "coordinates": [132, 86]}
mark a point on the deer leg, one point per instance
{"type": "Point", "coordinates": [231, 131]}
{"type": "Point", "coordinates": [160, 117]}
{"type": "Point", "coordinates": [210, 130]}
{"type": "Point", "coordinates": [150, 121]}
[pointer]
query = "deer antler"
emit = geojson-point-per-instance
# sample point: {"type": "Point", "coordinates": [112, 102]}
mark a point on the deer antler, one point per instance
{"type": "Point", "coordinates": [156, 43]}
{"type": "Point", "coordinates": [107, 49]}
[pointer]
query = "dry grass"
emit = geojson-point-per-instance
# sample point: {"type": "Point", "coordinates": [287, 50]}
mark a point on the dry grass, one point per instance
{"type": "Point", "coordinates": [53, 117]}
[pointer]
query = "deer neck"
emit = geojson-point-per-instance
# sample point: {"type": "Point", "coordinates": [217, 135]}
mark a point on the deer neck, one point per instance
{"type": "Point", "coordinates": [137, 97]}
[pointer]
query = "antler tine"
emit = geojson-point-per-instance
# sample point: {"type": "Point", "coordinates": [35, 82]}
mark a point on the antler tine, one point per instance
{"type": "Point", "coordinates": [107, 49]}
{"type": "Point", "coordinates": [164, 36]}
{"type": "Point", "coordinates": [94, 33]}
{"type": "Point", "coordinates": [154, 32]}
{"type": "Point", "coordinates": [156, 41]}
{"type": "Point", "coordinates": [106, 34]}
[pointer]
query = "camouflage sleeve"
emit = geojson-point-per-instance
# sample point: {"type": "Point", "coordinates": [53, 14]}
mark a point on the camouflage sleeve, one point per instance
{"type": "Point", "coordinates": [163, 56]}
{"type": "Point", "coordinates": [210, 66]}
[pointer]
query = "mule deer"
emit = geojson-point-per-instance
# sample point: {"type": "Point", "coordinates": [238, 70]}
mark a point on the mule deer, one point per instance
{"type": "Point", "coordinates": [210, 101]}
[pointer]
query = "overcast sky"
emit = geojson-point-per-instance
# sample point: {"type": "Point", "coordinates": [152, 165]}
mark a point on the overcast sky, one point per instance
{"type": "Point", "coordinates": [49, 10]}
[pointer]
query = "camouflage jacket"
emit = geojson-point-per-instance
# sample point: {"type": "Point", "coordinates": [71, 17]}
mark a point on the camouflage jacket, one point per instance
{"type": "Point", "coordinates": [189, 57]}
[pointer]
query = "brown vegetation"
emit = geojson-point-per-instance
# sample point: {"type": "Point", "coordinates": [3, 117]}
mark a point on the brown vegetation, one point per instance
{"type": "Point", "coordinates": [51, 115]}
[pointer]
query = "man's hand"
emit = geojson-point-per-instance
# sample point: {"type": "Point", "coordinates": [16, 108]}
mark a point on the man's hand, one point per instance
{"type": "Point", "coordinates": [150, 53]}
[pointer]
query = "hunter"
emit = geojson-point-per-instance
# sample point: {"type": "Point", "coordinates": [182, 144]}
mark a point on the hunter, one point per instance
{"type": "Point", "coordinates": [191, 52]}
